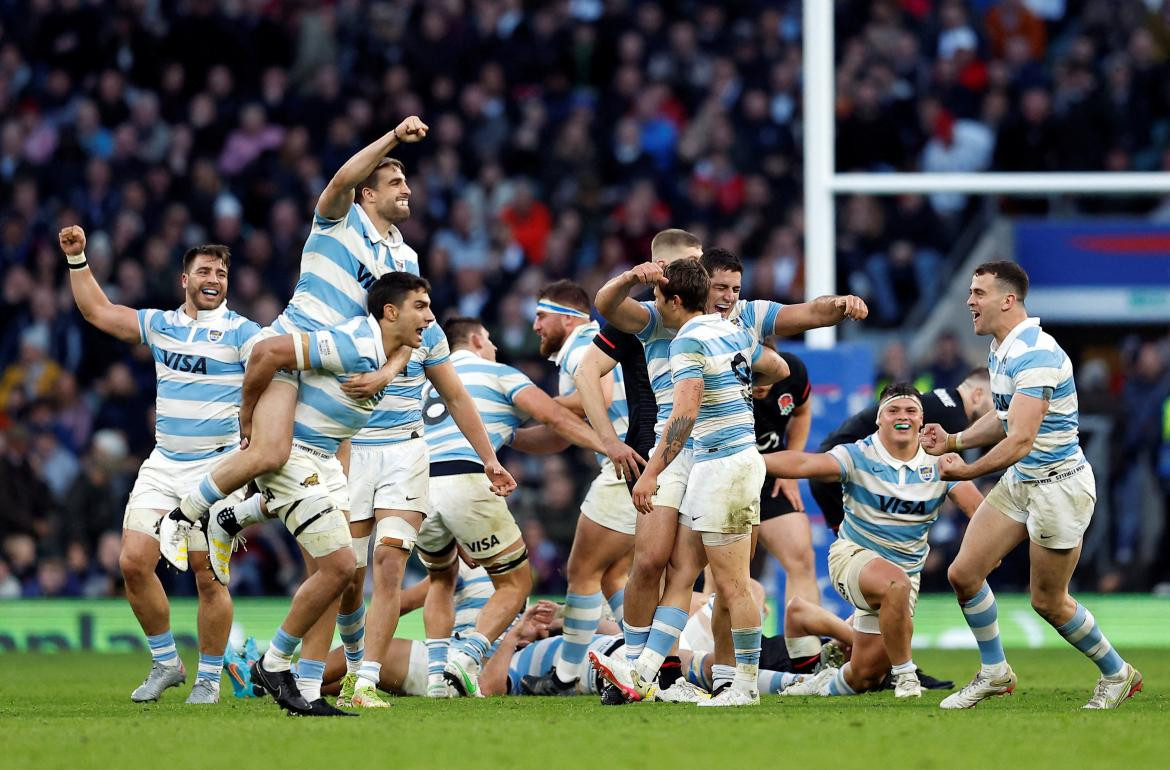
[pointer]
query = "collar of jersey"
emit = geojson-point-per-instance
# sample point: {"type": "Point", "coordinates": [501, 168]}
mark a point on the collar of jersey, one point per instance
{"type": "Point", "coordinates": [894, 462]}
{"type": "Point", "coordinates": [202, 316]}
{"type": "Point", "coordinates": [1016, 331]}
{"type": "Point", "coordinates": [462, 353]}
{"type": "Point", "coordinates": [698, 320]}
{"type": "Point", "coordinates": [393, 237]}
{"type": "Point", "coordinates": [557, 356]}
{"type": "Point", "coordinates": [373, 322]}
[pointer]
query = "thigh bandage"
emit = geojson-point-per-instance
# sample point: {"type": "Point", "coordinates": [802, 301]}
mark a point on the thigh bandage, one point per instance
{"type": "Point", "coordinates": [317, 525]}
{"type": "Point", "coordinates": [395, 532]}
{"type": "Point", "coordinates": [361, 550]}
{"type": "Point", "coordinates": [508, 563]}
{"type": "Point", "coordinates": [716, 539]}
{"type": "Point", "coordinates": [440, 560]}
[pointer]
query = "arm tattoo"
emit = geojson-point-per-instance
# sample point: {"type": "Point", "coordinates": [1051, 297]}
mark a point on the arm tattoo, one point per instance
{"type": "Point", "coordinates": [677, 433]}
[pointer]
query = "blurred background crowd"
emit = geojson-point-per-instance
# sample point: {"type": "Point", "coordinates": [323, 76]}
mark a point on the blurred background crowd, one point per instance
{"type": "Point", "coordinates": [563, 136]}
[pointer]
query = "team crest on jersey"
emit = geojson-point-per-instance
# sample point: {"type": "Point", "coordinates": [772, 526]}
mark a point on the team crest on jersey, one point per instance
{"type": "Point", "coordinates": [311, 481]}
{"type": "Point", "coordinates": [786, 403]}
{"type": "Point", "coordinates": [215, 335]}
{"type": "Point", "coordinates": [926, 472]}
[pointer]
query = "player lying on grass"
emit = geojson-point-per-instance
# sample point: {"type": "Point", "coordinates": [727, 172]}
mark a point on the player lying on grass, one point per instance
{"type": "Point", "coordinates": [893, 492]}
{"type": "Point", "coordinates": [199, 351]}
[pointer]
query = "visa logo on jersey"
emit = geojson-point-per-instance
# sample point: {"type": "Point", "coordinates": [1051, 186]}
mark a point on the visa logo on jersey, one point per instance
{"type": "Point", "coordinates": [181, 362]}
{"type": "Point", "coordinates": [894, 505]}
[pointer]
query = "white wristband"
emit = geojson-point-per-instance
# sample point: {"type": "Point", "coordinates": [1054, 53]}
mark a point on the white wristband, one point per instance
{"type": "Point", "coordinates": [76, 261]}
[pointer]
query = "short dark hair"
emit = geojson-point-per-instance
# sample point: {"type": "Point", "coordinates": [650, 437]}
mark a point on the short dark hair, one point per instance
{"type": "Point", "coordinates": [215, 250]}
{"type": "Point", "coordinates": [372, 179]}
{"type": "Point", "coordinates": [460, 328]}
{"type": "Point", "coordinates": [900, 389]}
{"type": "Point", "coordinates": [391, 289]}
{"type": "Point", "coordinates": [687, 280]}
{"type": "Point", "coordinates": [1009, 274]}
{"type": "Point", "coordinates": [567, 293]}
{"type": "Point", "coordinates": [721, 259]}
{"type": "Point", "coordinates": [978, 373]}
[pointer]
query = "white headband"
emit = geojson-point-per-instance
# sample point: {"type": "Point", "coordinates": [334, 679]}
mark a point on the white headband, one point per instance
{"type": "Point", "coordinates": [886, 403]}
{"type": "Point", "coordinates": [548, 306]}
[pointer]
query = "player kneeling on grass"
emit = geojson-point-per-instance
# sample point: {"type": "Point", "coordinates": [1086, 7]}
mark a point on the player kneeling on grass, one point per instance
{"type": "Point", "coordinates": [893, 492]}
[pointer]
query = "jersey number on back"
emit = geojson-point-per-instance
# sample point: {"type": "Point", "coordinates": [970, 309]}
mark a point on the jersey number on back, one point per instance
{"type": "Point", "coordinates": [434, 408]}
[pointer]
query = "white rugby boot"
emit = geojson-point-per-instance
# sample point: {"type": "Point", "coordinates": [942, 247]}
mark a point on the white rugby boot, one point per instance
{"type": "Point", "coordinates": [987, 683]}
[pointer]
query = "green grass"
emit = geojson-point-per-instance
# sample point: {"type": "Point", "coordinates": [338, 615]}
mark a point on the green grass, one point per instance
{"type": "Point", "coordinates": [73, 710]}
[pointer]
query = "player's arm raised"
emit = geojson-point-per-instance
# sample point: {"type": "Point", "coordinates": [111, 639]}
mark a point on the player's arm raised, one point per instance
{"type": "Point", "coordinates": [540, 406]}
{"type": "Point", "coordinates": [1024, 418]}
{"type": "Point", "coordinates": [594, 381]}
{"type": "Point", "coordinates": [613, 299]}
{"type": "Point", "coordinates": [829, 310]}
{"type": "Point", "coordinates": [116, 320]}
{"type": "Point", "coordinates": [790, 464]}
{"type": "Point", "coordinates": [337, 196]}
{"type": "Point", "coordinates": [462, 409]}
{"type": "Point", "coordinates": [688, 395]}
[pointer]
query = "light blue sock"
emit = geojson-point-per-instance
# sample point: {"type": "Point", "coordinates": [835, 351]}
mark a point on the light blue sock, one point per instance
{"type": "Point", "coordinates": [280, 651]}
{"type": "Point", "coordinates": [475, 645]}
{"type": "Point", "coordinates": [199, 501]}
{"type": "Point", "coordinates": [747, 656]}
{"type": "Point", "coordinates": [838, 686]}
{"type": "Point", "coordinates": [210, 668]}
{"type": "Point", "coordinates": [772, 682]}
{"type": "Point", "coordinates": [352, 628]}
{"type": "Point", "coordinates": [582, 614]}
{"type": "Point", "coordinates": [982, 616]}
{"type": "Point", "coordinates": [635, 637]}
{"type": "Point", "coordinates": [162, 648]}
{"type": "Point", "coordinates": [437, 656]}
{"type": "Point", "coordinates": [1083, 633]}
{"type": "Point", "coordinates": [695, 673]}
{"type": "Point", "coordinates": [668, 625]}
{"type": "Point", "coordinates": [617, 606]}
{"type": "Point", "coordinates": [309, 676]}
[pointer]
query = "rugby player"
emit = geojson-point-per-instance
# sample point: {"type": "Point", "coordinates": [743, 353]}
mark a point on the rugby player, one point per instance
{"type": "Point", "coordinates": [351, 244]}
{"type": "Point", "coordinates": [711, 361]}
{"type": "Point", "coordinates": [199, 351]}
{"type": "Point", "coordinates": [953, 408]}
{"type": "Point", "coordinates": [1046, 494]}
{"type": "Point", "coordinates": [306, 492]}
{"type": "Point", "coordinates": [605, 528]}
{"type": "Point", "coordinates": [613, 347]}
{"type": "Point", "coordinates": [656, 531]}
{"type": "Point", "coordinates": [464, 513]}
{"type": "Point", "coordinates": [893, 493]}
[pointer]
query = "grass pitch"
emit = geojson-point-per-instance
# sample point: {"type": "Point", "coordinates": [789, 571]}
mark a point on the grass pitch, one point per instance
{"type": "Point", "coordinates": [73, 710]}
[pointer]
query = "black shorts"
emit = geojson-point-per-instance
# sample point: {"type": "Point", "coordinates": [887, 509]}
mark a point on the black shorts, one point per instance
{"type": "Point", "coordinates": [828, 497]}
{"type": "Point", "coordinates": [773, 507]}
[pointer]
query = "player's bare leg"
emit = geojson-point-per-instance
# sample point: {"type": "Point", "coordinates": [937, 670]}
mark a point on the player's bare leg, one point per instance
{"type": "Point", "coordinates": [214, 619]}
{"type": "Point", "coordinates": [315, 644]}
{"type": "Point", "coordinates": [148, 600]}
{"type": "Point", "coordinates": [887, 588]}
{"type": "Point", "coordinates": [439, 618]}
{"type": "Point", "coordinates": [351, 612]}
{"type": "Point", "coordinates": [730, 557]}
{"type": "Point", "coordinates": [789, 539]}
{"type": "Point", "coordinates": [653, 544]}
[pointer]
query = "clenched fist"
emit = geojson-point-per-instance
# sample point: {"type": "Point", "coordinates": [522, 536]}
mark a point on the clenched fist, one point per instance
{"type": "Point", "coordinates": [72, 240]}
{"type": "Point", "coordinates": [411, 130]}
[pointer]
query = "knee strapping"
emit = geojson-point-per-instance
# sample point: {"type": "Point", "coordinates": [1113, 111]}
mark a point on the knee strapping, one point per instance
{"type": "Point", "coordinates": [717, 539]}
{"type": "Point", "coordinates": [509, 563]}
{"type": "Point", "coordinates": [395, 532]}
{"type": "Point", "coordinates": [316, 524]}
{"type": "Point", "coordinates": [361, 550]}
{"type": "Point", "coordinates": [441, 560]}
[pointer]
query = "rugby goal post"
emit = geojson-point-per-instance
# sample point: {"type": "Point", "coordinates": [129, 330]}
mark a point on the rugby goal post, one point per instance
{"type": "Point", "coordinates": [822, 183]}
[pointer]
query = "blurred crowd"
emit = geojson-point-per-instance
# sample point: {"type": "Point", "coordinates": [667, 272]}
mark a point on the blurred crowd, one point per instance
{"type": "Point", "coordinates": [563, 136]}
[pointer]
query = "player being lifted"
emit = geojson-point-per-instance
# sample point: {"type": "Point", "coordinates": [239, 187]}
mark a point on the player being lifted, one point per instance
{"type": "Point", "coordinates": [711, 362]}
{"type": "Point", "coordinates": [1045, 495]}
{"type": "Point", "coordinates": [464, 512]}
{"type": "Point", "coordinates": [351, 243]}
{"type": "Point", "coordinates": [605, 528]}
{"type": "Point", "coordinates": [892, 495]}
{"type": "Point", "coordinates": [198, 350]}
{"type": "Point", "coordinates": [305, 491]}
{"type": "Point", "coordinates": [644, 624]}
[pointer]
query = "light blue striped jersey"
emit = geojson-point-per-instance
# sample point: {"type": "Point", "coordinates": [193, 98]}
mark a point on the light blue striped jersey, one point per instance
{"type": "Point", "coordinates": [324, 415]}
{"type": "Point", "coordinates": [889, 503]}
{"type": "Point", "coordinates": [1030, 362]}
{"type": "Point", "coordinates": [537, 658]}
{"type": "Point", "coordinates": [398, 416]}
{"type": "Point", "coordinates": [493, 387]}
{"type": "Point", "coordinates": [339, 262]}
{"type": "Point", "coordinates": [199, 364]}
{"type": "Point", "coordinates": [568, 359]}
{"type": "Point", "coordinates": [721, 352]}
{"type": "Point", "coordinates": [759, 315]}
{"type": "Point", "coordinates": [655, 338]}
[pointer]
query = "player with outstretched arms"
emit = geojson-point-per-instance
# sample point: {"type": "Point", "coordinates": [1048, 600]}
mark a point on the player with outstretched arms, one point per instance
{"type": "Point", "coordinates": [656, 530]}
{"type": "Point", "coordinates": [464, 512]}
{"type": "Point", "coordinates": [1046, 494]}
{"type": "Point", "coordinates": [199, 352]}
{"type": "Point", "coordinates": [711, 362]}
{"type": "Point", "coordinates": [352, 242]}
{"type": "Point", "coordinates": [893, 493]}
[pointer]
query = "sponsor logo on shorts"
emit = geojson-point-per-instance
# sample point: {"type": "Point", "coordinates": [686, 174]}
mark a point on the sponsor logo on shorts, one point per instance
{"type": "Point", "coordinates": [476, 546]}
{"type": "Point", "coordinates": [310, 481]}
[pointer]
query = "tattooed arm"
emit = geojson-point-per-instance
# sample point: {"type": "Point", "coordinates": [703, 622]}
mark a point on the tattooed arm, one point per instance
{"type": "Point", "coordinates": [688, 394]}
